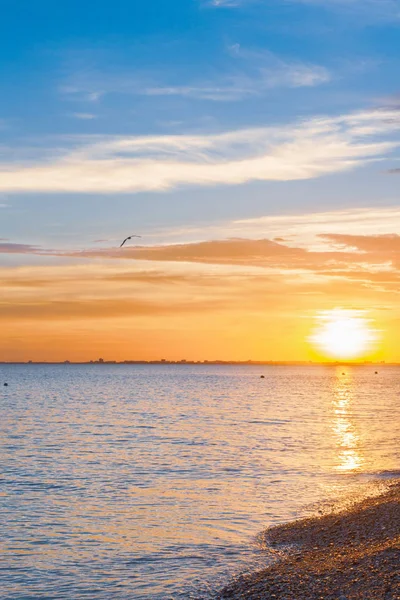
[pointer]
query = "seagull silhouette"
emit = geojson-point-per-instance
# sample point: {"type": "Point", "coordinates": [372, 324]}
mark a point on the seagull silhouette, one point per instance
{"type": "Point", "coordinates": [129, 238]}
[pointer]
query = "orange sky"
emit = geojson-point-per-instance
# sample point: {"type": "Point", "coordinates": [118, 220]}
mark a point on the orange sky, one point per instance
{"type": "Point", "coordinates": [225, 299]}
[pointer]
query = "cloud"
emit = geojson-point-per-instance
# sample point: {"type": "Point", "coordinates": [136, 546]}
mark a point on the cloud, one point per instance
{"type": "Point", "coordinates": [209, 280]}
{"type": "Point", "coordinates": [84, 116]}
{"type": "Point", "coordinates": [247, 73]}
{"type": "Point", "coordinates": [343, 255]}
{"type": "Point", "coordinates": [305, 230]}
{"type": "Point", "coordinates": [272, 235]}
{"type": "Point", "coordinates": [369, 261]}
{"type": "Point", "coordinates": [85, 275]}
{"type": "Point", "coordinates": [94, 278]}
{"type": "Point", "coordinates": [3, 201]}
{"type": "Point", "coordinates": [388, 245]}
{"type": "Point", "coordinates": [361, 12]}
{"type": "Point", "coordinates": [369, 9]}
{"type": "Point", "coordinates": [383, 6]}
{"type": "Point", "coordinates": [11, 248]}
{"type": "Point", "coordinates": [276, 74]}
{"type": "Point", "coordinates": [229, 290]}
{"type": "Point", "coordinates": [97, 308]}
{"type": "Point", "coordinates": [76, 90]}
{"type": "Point", "coordinates": [237, 251]}
{"type": "Point", "coordinates": [304, 150]}
{"type": "Point", "coordinates": [226, 3]}
{"type": "Point", "coordinates": [342, 248]}
{"type": "Point", "coordinates": [61, 292]}
{"type": "Point", "coordinates": [251, 74]}
{"type": "Point", "coordinates": [272, 257]}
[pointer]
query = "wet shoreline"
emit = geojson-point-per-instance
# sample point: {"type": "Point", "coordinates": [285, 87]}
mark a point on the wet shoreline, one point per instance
{"type": "Point", "coordinates": [353, 554]}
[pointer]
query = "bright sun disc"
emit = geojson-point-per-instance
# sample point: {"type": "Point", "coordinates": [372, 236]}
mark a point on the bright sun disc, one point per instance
{"type": "Point", "coordinates": [343, 334]}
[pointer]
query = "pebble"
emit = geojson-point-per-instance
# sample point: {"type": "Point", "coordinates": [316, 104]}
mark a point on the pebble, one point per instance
{"type": "Point", "coordinates": [351, 555]}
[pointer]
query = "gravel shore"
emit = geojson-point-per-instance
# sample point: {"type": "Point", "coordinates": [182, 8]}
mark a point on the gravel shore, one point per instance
{"type": "Point", "coordinates": [350, 555]}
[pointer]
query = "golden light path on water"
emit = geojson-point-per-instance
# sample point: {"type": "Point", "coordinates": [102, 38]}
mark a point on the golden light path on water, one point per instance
{"type": "Point", "coordinates": [349, 452]}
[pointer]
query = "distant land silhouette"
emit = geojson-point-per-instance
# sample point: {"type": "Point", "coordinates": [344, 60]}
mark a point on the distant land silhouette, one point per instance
{"type": "Point", "coordinates": [101, 361]}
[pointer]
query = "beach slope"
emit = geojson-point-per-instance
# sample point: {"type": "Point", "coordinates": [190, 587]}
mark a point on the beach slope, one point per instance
{"type": "Point", "coordinates": [350, 555]}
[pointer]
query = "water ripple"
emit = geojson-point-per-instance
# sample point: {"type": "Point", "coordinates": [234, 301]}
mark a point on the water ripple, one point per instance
{"type": "Point", "coordinates": [152, 482]}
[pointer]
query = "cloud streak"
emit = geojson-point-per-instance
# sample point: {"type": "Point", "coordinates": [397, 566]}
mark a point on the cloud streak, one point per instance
{"type": "Point", "coordinates": [306, 230]}
{"type": "Point", "coordinates": [219, 275]}
{"type": "Point", "coordinates": [12, 248]}
{"type": "Point", "coordinates": [383, 9]}
{"type": "Point", "coordinates": [305, 150]}
{"type": "Point", "coordinates": [248, 73]}
{"type": "Point", "coordinates": [175, 297]}
{"type": "Point", "coordinates": [345, 253]}
{"type": "Point", "coordinates": [238, 87]}
{"type": "Point", "coordinates": [271, 234]}
{"type": "Point", "coordinates": [97, 308]}
{"type": "Point", "coordinates": [83, 116]}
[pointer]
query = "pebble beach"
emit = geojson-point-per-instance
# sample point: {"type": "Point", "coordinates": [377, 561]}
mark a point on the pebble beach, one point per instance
{"type": "Point", "coordinates": [349, 555]}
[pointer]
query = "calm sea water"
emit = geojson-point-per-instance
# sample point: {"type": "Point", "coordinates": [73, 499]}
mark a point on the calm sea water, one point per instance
{"type": "Point", "coordinates": [151, 482]}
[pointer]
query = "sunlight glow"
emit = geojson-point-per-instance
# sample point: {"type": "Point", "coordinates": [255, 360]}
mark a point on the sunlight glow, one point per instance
{"type": "Point", "coordinates": [344, 334]}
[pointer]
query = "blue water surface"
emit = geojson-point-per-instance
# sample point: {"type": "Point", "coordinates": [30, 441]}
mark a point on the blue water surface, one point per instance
{"type": "Point", "coordinates": [152, 481]}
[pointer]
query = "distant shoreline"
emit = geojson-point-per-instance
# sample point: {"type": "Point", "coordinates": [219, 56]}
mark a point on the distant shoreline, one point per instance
{"type": "Point", "coordinates": [210, 363]}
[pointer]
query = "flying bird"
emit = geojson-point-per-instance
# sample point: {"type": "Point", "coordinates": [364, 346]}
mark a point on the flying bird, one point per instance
{"type": "Point", "coordinates": [129, 238]}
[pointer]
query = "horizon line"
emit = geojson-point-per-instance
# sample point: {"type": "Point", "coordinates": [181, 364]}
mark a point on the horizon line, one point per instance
{"type": "Point", "coordinates": [206, 362]}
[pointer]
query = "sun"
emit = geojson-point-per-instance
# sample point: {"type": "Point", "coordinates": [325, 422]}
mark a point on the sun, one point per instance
{"type": "Point", "coordinates": [344, 334]}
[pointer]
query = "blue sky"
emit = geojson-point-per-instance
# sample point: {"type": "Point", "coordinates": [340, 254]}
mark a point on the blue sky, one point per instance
{"type": "Point", "coordinates": [173, 118]}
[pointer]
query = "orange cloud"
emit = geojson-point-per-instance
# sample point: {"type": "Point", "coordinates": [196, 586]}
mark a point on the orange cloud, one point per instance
{"type": "Point", "coordinates": [241, 297]}
{"type": "Point", "coordinates": [10, 248]}
{"type": "Point", "coordinates": [387, 245]}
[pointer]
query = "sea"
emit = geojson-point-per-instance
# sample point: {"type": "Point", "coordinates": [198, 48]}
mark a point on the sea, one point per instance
{"type": "Point", "coordinates": [153, 481]}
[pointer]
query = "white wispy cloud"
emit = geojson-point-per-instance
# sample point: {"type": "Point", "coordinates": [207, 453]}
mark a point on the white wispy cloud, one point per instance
{"type": "Point", "coordinates": [248, 73]}
{"type": "Point", "coordinates": [3, 201]}
{"type": "Point", "coordinates": [84, 116]}
{"type": "Point", "coordinates": [83, 88]}
{"type": "Point", "coordinates": [380, 7]}
{"type": "Point", "coordinates": [304, 150]}
{"type": "Point", "coordinates": [224, 3]}
{"type": "Point", "coordinates": [363, 4]}
{"type": "Point", "coordinates": [299, 230]}
{"type": "Point", "coordinates": [304, 230]}
{"type": "Point", "coordinates": [366, 12]}
{"type": "Point", "coordinates": [236, 87]}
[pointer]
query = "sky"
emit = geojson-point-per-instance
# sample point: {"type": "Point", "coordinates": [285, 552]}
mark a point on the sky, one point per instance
{"type": "Point", "coordinates": [254, 145]}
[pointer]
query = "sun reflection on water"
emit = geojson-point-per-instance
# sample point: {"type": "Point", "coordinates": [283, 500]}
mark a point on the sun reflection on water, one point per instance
{"type": "Point", "coordinates": [349, 454]}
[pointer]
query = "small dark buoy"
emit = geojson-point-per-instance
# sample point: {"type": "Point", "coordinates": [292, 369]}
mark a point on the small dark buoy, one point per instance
{"type": "Point", "coordinates": [5, 384]}
{"type": "Point", "coordinates": [343, 373]}
{"type": "Point", "coordinates": [262, 377]}
{"type": "Point", "coordinates": [376, 372]}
